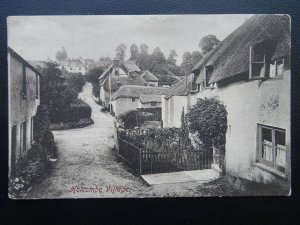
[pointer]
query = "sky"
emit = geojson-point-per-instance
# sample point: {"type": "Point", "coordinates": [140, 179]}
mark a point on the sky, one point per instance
{"type": "Point", "coordinates": [40, 37]}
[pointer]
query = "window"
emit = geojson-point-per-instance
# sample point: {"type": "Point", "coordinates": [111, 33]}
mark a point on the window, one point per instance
{"type": "Point", "coordinates": [152, 85]}
{"type": "Point", "coordinates": [133, 99]}
{"type": "Point", "coordinates": [153, 104]}
{"type": "Point", "coordinates": [259, 60]}
{"type": "Point", "coordinates": [208, 71]}
{"type": "Point", "coordinates": [70, 68]}
{"type": "Point", "coordinates": [277, 68]}
{"type": "Point", "coordinates": [79, 68]}
{"type": "Point", "coordinates": [23, 81]}
{"type": "Point", "coordinates": [272, 147]}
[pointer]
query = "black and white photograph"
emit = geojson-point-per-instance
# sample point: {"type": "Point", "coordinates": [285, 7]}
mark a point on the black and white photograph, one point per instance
{"type": "Point", "coordinates": [149, 106]}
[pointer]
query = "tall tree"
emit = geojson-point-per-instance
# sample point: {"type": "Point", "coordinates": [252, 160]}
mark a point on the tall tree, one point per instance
{"type": "Point", "coordinates": [120, 51]}
{"type": "Point", "coordinates": [172, 57]}
{"type": "Point", "coordinates": [134, 52]}
{"type": "Point", "coordinates": [144, 49]}
{"type": "Point", "coordinates": [61, 55]}
{"type": "Point", "coordinates": [207, 43]}
{"type": "Point", "coordinates": [187, 62]}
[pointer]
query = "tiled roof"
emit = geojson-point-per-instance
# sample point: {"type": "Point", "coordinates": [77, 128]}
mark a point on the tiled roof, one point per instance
{"type": "Point", "coordinates": [134, 91]}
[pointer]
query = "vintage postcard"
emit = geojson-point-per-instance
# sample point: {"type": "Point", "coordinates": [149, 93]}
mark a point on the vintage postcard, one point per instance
{"type": "Point", "coordinates": [149, 106]}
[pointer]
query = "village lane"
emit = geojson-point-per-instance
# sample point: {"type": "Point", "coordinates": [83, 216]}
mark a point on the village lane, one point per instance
{"type": "Point", "coordinates": [86, 159]}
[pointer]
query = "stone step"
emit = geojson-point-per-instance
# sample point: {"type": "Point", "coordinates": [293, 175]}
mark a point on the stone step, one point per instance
{"type": "Point", "coordinates": [200, 176]}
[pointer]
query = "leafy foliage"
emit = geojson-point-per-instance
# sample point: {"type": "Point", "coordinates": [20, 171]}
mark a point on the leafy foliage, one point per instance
{"type": "Point", "coordinates": [92, 77]}
{"type": "Point", "coordinates": [120, 51]}
{"type": "Point", "coordinates": [208, 118]}
{"type": "Point", "coordinates": [134, 51]}
{"type": "Point", "coordinates": [75, 81]}
{"type": "Point", "coordinates": [61, 55]}
{"type": "Point", "coordinates": [172, 57]}
{"type": "Point", "coordinates": [207, 43]}
{"type": "Point", "coordinates": [135, 118]}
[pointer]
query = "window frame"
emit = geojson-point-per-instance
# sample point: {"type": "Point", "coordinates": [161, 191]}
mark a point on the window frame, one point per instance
{"type": "Point", "coordinates": [252, 62]}
{"type": "Point", "coordinates": [259, 158]}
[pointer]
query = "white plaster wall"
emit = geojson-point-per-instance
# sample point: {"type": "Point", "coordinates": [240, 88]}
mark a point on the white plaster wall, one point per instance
{"type": "Point", "coordinates": [244, 106]}
{"type": "Point", "coordinates": [21, 109]}
{"type": "Point", "coordinates": [123, 105]}
{"type": "Point", "coordinates": [148, 105]}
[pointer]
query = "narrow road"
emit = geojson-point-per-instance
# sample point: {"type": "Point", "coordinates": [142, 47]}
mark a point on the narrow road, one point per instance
{"type": "Point", "coordinates": [87, 166]}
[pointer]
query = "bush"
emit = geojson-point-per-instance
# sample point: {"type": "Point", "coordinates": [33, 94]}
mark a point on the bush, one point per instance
{"type": "Point", "coordinates": [75, 81]}
{"type": "Point", "coordinates": [131, 119]}
{"type": "Point", "coordinates": [208, 118]}
{"type": "Point", "coordinates": [156, 113]}
{"type": "Point", "coordinates": [76, 111]}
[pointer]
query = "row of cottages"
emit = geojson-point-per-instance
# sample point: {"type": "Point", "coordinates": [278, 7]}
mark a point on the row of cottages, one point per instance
{"type": "Point", "coordinates": [250, 72]}
{"type": "Point", "coordinates": [122, 73]}
{"type": "Point", "coordinates": [24, 98]}
{"type": "Point", "coordinates": [130, 97]}
{"type": "Point", "coordinates": [72, 66]}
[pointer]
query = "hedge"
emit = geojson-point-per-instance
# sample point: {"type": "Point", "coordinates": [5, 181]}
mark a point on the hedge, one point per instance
{"type": "Point", "coordinates": [76, 111]}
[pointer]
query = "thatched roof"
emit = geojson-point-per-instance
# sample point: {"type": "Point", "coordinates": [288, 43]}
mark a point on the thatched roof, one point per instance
{"type": "Point", "coordinates": [183, 87]}
{"type": "Point", "coordinates": [231, 56]}
{"type": "Point", "coordinates": [134, 91]}
{"type": "Point", "coordinates": [150, 98]}
{"type": "Point", "coordinates": [148, 76]}
{"type": "Point", "coordinates": [106, 73]}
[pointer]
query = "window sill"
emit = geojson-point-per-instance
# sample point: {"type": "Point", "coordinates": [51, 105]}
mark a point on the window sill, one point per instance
{"type": "Point", "coordinates": [270, 170]}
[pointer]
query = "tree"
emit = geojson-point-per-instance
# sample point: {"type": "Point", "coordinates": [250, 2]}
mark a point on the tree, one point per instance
{"type": "Point", "coordinates": [208, 43]}
{"type": "Point", "coordinates": [92, 77]}
{"type": "Point", "coordinates": [75, 81]}
{"type": "Point", "coordinates": [61, 55]}
{"type": "Point", "coordinates": [187, 64]}
{"type": "Point", "coordinates": [134, 51]}
{"type": "Point", "coordinates": [144, 49]}
{"type": "Point", "coordinates": [120, 51]}
{"type": "Point", "coordinates": [172, 57]}
{"type": "Point", "coordinates": [196, 57]}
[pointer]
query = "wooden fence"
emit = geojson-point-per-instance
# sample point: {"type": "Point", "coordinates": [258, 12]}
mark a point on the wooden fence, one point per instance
{"type": "Point", "coordinates": [147, 160]}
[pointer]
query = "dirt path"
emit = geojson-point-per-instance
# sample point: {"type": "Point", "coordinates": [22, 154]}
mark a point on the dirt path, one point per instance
{"type": "Point", "coordinates": [88, 168]}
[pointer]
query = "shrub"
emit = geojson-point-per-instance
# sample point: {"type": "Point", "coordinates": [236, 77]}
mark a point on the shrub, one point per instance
{"type": "Point", "coordinates": [156, 113]}
{"type": "Point", "coordinates": [76, 111]}
{"type": "Point", "coordinates": [131, 118]}
{"type": "Point", "coordinates": [208, 118]}
{"type": "Point", "coordinates": [75, 81]}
